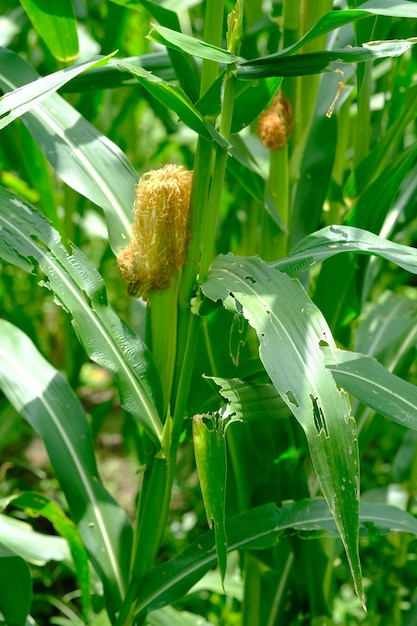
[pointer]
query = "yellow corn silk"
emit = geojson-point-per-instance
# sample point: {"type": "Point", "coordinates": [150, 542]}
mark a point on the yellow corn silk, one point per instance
{"type": "Point", "coordinates": [158, 245]}
{"type": "Point", "coordinates": [276, 123]}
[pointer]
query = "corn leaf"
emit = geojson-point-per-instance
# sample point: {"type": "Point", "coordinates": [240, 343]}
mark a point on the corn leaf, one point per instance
{"type": "Point", "coordinates": [290, 330]}
{"type": "Point", "coordinates": [56, 24]}
{"type": "Point", "coordinates": [44, 398]}
{"type": "Point", "coordinates": [19, 101]}
{"type": "Point", "coordinates": [27, 235]}
{"type": "Point", "coordinates": [175, 99]}
{"type": "Point", "coordinates": [332, 240]}
{"type": "Point", "coordinates": [372, 384]}
{"type": "Point", "coordinates": [195, 47]}
{"type": "Point", "coordinates": [84, 158]}
{"type": "Point", "coordinates": [316, 62]}
{"type": "Point", "coordinates": [260, 528]}
{"type": "Point", "coordinates": [335, 19]}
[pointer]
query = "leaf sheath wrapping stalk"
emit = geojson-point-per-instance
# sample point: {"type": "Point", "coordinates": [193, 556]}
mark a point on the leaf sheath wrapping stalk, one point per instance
{"type": "Point", "coordinates": [291, 331]}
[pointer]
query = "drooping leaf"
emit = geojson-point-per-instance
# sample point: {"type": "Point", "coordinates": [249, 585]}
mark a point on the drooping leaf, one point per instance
{"type": "Point", "coordinates": [335, 19]}
{"type": "Point", "coordinates": [50, 406]}
{"type": "Point", "coordinates": [19, 101]}
{"type": "Point", "coordinates": [372, 384]}
{"type": "Point", "coordinates": [16, 588]}
{"type": "Point", "coordinates": [27, 235]}
{"type": "Point", "coordinates": [260, 528]}
{"type": "Point", "coordinates": [84, 158]}
{"type": "Point", "coordinates": [56, 24]}
{"type": "Point", "coordinates": [290, 330]}
{"type": "Point", "coordinates": [336, 239]}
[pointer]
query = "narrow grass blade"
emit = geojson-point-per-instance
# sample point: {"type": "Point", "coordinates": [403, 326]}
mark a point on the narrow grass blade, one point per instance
{"type": "Point", "coordinates": [43, 397]}
{"type": "Point", "coordinates": [84, 158]}
{"type": "Point", "coordinates": [336, 239]}
{"type": "Point", "coordinates": [56, 24]}
{"type": "Point", "coordinates": [291, 330]}
{"type": "Point", "coordinates": [376, 387]}
{"type": "Point", "coordinates": [79, 287]}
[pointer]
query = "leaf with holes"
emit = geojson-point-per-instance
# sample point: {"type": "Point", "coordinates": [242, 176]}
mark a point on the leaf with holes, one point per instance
{"type": "Point", "coordinates": [291, 331]}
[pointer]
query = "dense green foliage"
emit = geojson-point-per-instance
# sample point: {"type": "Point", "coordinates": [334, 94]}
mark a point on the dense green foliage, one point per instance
{"type": "Point", "coordinates": [240, 447]}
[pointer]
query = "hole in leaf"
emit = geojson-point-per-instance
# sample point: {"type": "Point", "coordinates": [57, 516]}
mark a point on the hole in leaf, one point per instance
{"type": "Point", "coordinates": [318, 416]}
{"type": "Point", "coordinates": [250, 279]}
{"type": "Point", "coordinates": [291, 398]}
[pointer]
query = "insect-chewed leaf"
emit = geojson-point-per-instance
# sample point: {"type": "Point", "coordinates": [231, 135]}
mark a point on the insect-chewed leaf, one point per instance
{"type": "Point", "coordinates": [291, 330]}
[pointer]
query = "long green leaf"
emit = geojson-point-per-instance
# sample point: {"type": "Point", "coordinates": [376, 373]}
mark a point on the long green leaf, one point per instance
{"type": "Point", "coordinates": [56, 24]}
{"type": "Point", "coordinates": [260, 528]}
{"type": "Point", "coordinates": [19, 101]}
{"type": "Point", "coordinates": [84, 158]}
{"type": "Point", "coordinates": [111, 76]}
{"type": "Point", "coordinates": [185, 66]}
{"type": "Point", "coordinates": [335, 19]}
{"type": "Point", "coordinates": [372, 384]}
{"type": "Point", "coordinates": [316, 62]}
{"type": "Point", "coordinates": [175, 99]}
{"type": "Point", "coordinates": [195, 47]}
{"type": "Point", "coordinates": [106, 338]}
{"type": "Point", "coordinates": [290, 330]}
{"type": "Point", "coordinates": [16, 588]}
{"type": "Point", "coordinates": [43, 397]}
{"type": "Point", "coordinates": [336, 239]}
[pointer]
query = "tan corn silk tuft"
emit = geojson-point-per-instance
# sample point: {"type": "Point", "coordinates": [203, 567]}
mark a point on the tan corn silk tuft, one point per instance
{"type": "Point", "coordinates": [276, 123]}
{"type": "Point", "coordinates": [159, 240]}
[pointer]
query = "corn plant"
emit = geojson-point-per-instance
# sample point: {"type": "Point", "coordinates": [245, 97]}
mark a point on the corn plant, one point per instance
{"type": "Point", "coordinates": [252, 298]}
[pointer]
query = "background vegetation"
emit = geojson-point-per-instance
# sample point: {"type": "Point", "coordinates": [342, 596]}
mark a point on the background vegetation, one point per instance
{"type": "Point", "coordinates": [296, 299]}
